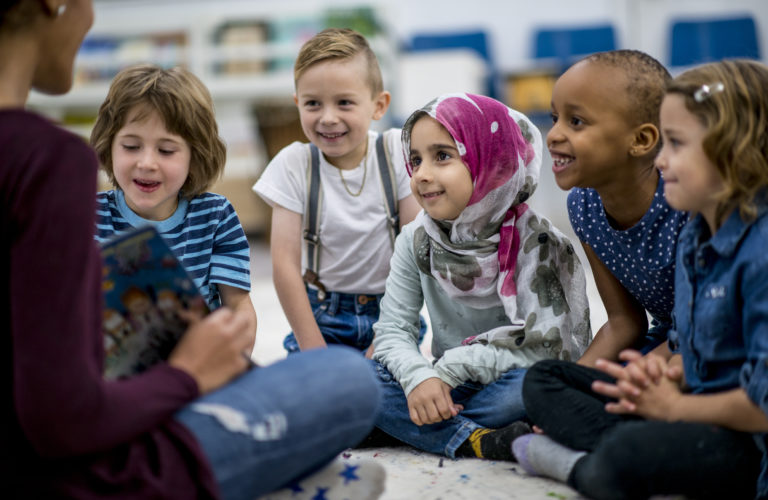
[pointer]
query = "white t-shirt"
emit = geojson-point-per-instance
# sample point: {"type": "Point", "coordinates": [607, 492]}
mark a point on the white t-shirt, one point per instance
{"type": "Point", "coordinates": [355, 245]}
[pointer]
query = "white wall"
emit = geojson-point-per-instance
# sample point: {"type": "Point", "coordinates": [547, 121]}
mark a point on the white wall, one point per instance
{"type": "Point", "coordinates": [640, 24]}
{"type": "Point", "coordinates": [510, 24]}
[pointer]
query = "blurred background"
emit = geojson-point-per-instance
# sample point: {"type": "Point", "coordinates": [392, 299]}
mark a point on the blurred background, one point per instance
{"type": "Point", "coordinates": [512, 50]}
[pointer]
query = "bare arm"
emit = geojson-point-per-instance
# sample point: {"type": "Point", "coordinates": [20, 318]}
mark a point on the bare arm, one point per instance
{"type": "Point", "coordinates": [627, 321]}
{"type": "Point", "coordinates": [732, 409]}
{"type": "Point", "coordinates": [409, 209]}
{"type": "Point", "coordinates": [286, 269]}
{"type": "Point", "coordinates": [240, 300]}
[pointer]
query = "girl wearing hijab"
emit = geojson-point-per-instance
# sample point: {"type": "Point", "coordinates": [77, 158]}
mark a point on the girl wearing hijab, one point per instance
{"type": "Point", "coordinates": [502, 285]}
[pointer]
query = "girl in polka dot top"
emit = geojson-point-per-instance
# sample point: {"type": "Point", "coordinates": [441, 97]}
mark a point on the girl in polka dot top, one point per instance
{"type": "Point", "coordinates": [604, 137]}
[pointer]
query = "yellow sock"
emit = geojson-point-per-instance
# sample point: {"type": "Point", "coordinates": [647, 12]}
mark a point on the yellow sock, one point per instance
{"type": "Point", "coordinates": [474, 440]}
{"type": "Point", "coordinates": [492, 444]}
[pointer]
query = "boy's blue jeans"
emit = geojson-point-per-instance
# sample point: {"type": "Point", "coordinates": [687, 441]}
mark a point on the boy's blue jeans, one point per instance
{"type": "Point", "coordinates": [491, 406]}
{"type": "Point", "coordinates": [278, 423]}
{"type": "Point", "coordinates": [345, 319]}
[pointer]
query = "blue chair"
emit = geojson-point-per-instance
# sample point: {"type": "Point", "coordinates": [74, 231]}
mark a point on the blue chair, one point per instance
{"type": "Point", "coordinates": [564, 45]}
{"type": "Point", "coordinates": [473, 40]}
{"type": "Point", "coordinates": [699, 41]}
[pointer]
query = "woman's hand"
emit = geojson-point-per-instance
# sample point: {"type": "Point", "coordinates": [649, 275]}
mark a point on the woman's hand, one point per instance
{"type": "Point", "coordinates": [212, 349]}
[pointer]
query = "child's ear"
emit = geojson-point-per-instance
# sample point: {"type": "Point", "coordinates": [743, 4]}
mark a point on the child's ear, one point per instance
{"type": "Point", "coordinates": [645, 139]}
{"type": "Point", "coordinates": [295, 99]}
{"type": "Point", "coordinates": [381, 104]}
{"type": "Point", "coordinates": [53, 7]}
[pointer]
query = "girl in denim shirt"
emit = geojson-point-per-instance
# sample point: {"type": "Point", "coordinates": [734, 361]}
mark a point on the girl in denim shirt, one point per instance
{"type": "Point", "coordinates": [695, 424]}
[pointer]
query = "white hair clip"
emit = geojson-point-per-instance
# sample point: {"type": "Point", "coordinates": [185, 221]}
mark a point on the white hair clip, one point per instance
{"type": "Point", "coordinates": [706, 91]}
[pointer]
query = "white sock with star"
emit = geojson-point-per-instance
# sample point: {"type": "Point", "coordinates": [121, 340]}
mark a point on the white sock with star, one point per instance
{"type": "Point", "coordinates": [339, 480]}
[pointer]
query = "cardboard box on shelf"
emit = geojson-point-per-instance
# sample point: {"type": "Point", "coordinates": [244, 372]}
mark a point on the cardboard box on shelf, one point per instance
{"type": "Point", "coordinates": [279, 126]}
{"type": "Point", "coordinates": [529, 92]}
{"type": "Point", "coordinates": [237, 39]}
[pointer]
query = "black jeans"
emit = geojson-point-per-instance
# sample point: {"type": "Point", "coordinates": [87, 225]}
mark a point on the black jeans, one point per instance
{"type": "Point", "coordinates": [630, 457]}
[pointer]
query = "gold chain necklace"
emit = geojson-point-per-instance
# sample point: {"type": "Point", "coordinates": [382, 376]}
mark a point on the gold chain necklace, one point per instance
{"type": "Point", "coordinates": [362, 184]}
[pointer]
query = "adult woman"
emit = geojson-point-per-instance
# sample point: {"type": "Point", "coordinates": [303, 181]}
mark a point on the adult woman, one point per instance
{"type": "Point", "coordinates": [200, 425]}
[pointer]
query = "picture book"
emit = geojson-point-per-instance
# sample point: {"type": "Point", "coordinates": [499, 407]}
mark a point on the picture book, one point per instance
{"type": "Point", "coordinates": [144, 287]}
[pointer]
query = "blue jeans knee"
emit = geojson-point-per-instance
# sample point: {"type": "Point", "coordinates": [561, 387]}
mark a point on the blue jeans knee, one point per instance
{"type": "Point", "coordinates": [277, 423]}
{"type": "Point", "coordinates": [495, 405]}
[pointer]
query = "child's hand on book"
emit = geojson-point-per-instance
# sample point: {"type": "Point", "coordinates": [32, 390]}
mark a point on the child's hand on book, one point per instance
{"type": "Point", "coordinates": [211, 351]}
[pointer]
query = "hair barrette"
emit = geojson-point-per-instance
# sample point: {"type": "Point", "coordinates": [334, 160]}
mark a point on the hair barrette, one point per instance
{"type": "Point", "coordinates": [706, 91]}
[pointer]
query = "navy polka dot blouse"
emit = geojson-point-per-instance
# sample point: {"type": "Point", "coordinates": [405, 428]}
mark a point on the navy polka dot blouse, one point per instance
{"type": "Point", "coordinates": [641, 257]}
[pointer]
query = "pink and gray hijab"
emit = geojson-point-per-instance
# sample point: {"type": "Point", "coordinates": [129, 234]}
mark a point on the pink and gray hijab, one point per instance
{"type": "Point", "coordinates": [498, 250]}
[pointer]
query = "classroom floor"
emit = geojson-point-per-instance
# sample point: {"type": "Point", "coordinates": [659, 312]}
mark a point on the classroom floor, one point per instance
{"type": "Point", "coordinates": [410, 473]}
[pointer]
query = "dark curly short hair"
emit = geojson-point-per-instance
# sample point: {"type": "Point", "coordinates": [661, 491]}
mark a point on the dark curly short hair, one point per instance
{"type": "Point", "coordinates": [647, 78]}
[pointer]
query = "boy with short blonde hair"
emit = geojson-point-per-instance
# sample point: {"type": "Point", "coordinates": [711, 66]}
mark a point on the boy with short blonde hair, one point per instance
{"type": "Point", "coordinates": [339, 201]}
{"type": "Point", "coordinates": [339, 44]}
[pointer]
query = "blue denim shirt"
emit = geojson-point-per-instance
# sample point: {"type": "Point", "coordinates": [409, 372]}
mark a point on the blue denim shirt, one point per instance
{"type": "Point", "coordinates": [721, 311]}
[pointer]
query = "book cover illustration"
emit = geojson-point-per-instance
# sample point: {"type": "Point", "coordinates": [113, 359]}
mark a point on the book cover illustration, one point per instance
{"type": "Point", "coordinates": [144, 287]}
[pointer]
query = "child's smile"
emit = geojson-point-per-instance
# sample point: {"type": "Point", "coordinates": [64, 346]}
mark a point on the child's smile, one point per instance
{"type": "Point", "coordinates": [146, 186]}
{"type": "Point", "coordinates": [334, 141]}
{"type": "Point", "coordinates": [430, 195]}
{"type": "Point", "coordinates": [560, 162]}
{"type": "Point", "coordinates": [331, 136]}
{"type": "Point", "coordinates": [430, 199]}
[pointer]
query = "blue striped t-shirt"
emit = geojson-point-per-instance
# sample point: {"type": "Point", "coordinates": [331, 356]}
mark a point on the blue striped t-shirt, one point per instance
{"type": "Point", "coordinates": [204, 234]}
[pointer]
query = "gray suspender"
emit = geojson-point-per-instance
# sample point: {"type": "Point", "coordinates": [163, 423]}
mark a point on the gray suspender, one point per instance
{"type": "Point", "coordinates": [312, 221]}
{"type": "Point", "coordinates": [389, 185]}
{"type": "Point", "coordinates": [315, 199]}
